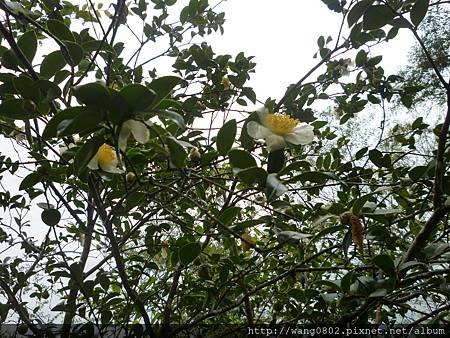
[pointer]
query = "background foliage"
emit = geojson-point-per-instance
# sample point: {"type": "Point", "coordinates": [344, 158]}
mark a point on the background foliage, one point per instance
{"type": "Point", "coordinates": [204, 225]}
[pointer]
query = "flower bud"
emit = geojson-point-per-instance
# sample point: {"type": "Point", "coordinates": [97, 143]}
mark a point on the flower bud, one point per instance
{"type": "Point", "coordinates": [194, 155]}
{"type": "Point", "coordinates": [130, 177]}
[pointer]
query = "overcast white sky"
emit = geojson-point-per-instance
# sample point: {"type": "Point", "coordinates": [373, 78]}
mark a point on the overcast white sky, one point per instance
{"type": "Point", "coordinates": [282, 35]}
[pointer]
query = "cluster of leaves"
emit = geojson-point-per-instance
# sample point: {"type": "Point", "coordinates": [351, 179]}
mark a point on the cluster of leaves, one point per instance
{"type": "Point", "coordinates": [207, 226]}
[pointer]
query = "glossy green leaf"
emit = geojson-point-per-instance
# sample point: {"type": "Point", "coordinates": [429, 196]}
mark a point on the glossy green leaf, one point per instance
{"type": "Point", "coordinates": [418, 11]}
{"type": "Point", "coordinates": [379, 159]}
{"type": "Point", "coordinates": [226, 136]}
{"type": "Point", "coordinates": [18, 109]}
{"type": "Point", "coordinates": [357, 11]}
{"type": "Point", "coordinates": [177, 152]}
{"type": "Point", "coordinates": [138, 97]}
{"type": "Point", "coordinates": [30, 180]}
{"type": "Point", "coordinates": [377, 16]}
{"type": "Point", "coordinates": [173, 116]}
{"type": "Point", "coordinates": [70, 121]}
{"type": "Point", "coordinates": [60, 30]}
{"type": "Point", "coordinates": [162, 87]}
{"type": "Point", "coordinates": [75, 51]}
{"type": "Point", "coordinates": [189, 252]}
{"type": "Point", "coordinates": [50, 216]}
{"type": "Point", "coordinates": [25, 87]}
{"type": "Point", "coordinates": [52, 63]}
{"type": "Point", "coordinates": [83, 121]}
{"type": "Point", "coordinates": [359, 203]}
{"type": "Point", "coordinates": [275, 161]}
{"type": "Point", "coordinates": [253, 175]}
{"type": "Point", "coordinates": [94, 95]}
{"type": "Point", "coordinates": [385, 263]}
{"type": "Point", "coordinates": [229, 215]}
{"type": "Point", "coordinates": [241, 159]}
{"type": "Point", "coordinates": [28, 45]}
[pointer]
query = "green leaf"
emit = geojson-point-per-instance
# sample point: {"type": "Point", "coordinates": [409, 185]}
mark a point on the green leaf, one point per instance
{"type": "Point", "coordinates": [28, 45]}
{"type": "Point", "coordinates": [253, 175]}
{"type": "Point", "coordinates": [357, 11]}
{"type": "Point", "coordinates": [18, 109]}
{"type": "Point", "coordinates": [70, 121]}
{"type": "Point", "coordinates": [86, 119]}
{"type": "Point", "coordinates": [177, 152]}
{"type": "Point", "coordinates": [47, 88]}
{"type": "Point", "coordinates": [247, 142]}
{"type": "Point", "coordinates": [377, 16]}
{"type": "Point", "coordinates": [52, 63]}
{"type": "Point", "coordinates": [318, 177]}
{"type": "Point", "coordinates": [86, 153]}
{"type": "Point", "coordinates": [173, 116]}
{"type": "Point", "coordinates": [10, 60]}
{"type": "Point", "coordinates": [77, 272]}
{"type": "Point", "coordinates": [385, 263]}
{"type": "Point", "coordinates": [94, 95]}
{"type": "Point", "coordinates": [359, 203]}
{"type": "Point", "coordinates": [189, 252]}
{"type": "Point", "coordinates": [60, 30]}
{"type": "Point", "coordinates": [226, 136]}
{"type": "Point", "coordinates": [275, 161]}
{"type": "Point", "coordinates": [137, 96]}
{"type": "Point", "coordinates": [50, 216]}
{"type": "Point", "coordinates": [60, 307]}
{"type": "Point", "coordinates": [348, 279]}
{"type": "Point", "coordinates": [361, 58]}
{"type": "Point", "coordinates": [241, 159]}
{"type": "Point", "coordinates": [229, 215]}
{"type": "Point", "coordinates": [76, 53]}
{"type": "Point", "coordinates": [94, 45]}
{"type": "Point", "coordinates": [434, 250]}
{"type": "Point", "coordinates": [418, 11]}
{"type": "Point", "coordinates": [361, 152]}
{"type": "Point", "coordinates": [25, 87]}
{"type": "Point", "coordinates": [30, 180]}
{"type": "Point", "coordinates": [378, 293]}
{"type": "Point", "coordinates": [378, 159]}
{"type": "Point", "coordinates": [163, 86]}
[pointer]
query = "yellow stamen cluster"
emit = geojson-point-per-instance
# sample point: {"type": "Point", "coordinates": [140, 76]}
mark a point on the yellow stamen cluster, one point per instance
{"type": "Point", "coordinates": [281, 124]}
{"type": "Point", "coordinates": [106, 155]}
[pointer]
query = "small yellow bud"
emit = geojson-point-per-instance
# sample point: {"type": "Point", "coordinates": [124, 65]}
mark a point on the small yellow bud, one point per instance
{"type": "Point", "coordinates": [194, 155]}
{"type": "Point", "coordinates": [130, 177]}
{"type": "Point", "coordinates": [247, 242]}
{"type": "Point", "coordinates": [226, 83]}
{"type": "Point", "coordinates": [29, 106]}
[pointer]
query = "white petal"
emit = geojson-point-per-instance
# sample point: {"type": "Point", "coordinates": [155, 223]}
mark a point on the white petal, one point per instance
{"type": "Point", "coordinates": [93, 163]}
{"type": "Point", "coordinates": [257, 131]}
{"type": "Point", "coordinates": [112, 167]}
{"type": "Point", "coordinates": [302, 134]}
{"type": "Point", "coordinates": [123, 137]}
{"type": "Point", "coordinates": [274, 142]}
{"type": "Point", "coordinates": [139, 130]}
{"type": "Point", "coordinates": [262, 113]}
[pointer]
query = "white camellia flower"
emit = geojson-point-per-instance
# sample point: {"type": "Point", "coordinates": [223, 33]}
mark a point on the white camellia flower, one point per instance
{"type": "Point", "coordinates": [105, 159]}
{"type": "Point", "coordinates": [277, 129]}
{"type": "Point", "coordinates": [136, 128]}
